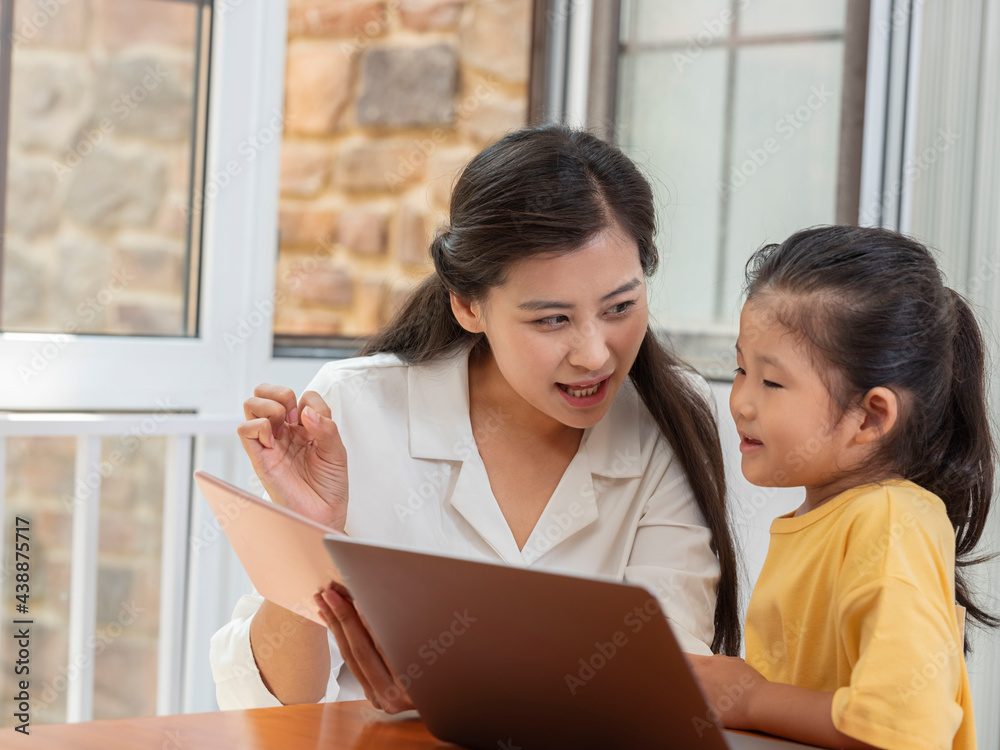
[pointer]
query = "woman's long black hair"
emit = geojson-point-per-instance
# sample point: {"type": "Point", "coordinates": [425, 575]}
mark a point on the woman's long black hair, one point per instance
{"type": "Point", "coordinates": [874, 305]}
{"type": "Point", "coordinates": [551, 189]}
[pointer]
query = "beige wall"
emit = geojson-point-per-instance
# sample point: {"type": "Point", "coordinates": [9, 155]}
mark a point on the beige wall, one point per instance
{"type": "Point", "coordinates": [385, 100]}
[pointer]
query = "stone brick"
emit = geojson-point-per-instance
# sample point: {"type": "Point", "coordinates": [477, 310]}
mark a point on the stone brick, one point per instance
{"type": "Point", "coordinates": [32, 200]}
{"type": "Point", "coordinates": [142, 22]}
{"type": "Point", "coordinates": [495, 116]}
{"type": "Point", "coordinates": [379, 165]}
{"type": "Point", "coordinates": [83, 296]}
{"type": "Point", "coordinates": [148, 97]}
{"type": "Point", "coordinates": [318, 82]}
{"type": "Point", "coordinates": [413, 235]}
{"type": "Point", "coordinates": [48, 105]}
{"type": "Point", "coordinates": [356, 18]}
{"type": "Point", "coordinates": [328, 286]}
{"type": "Point", "coordinates": [362, 229]}
{"type": "Point", "coordinates": [116, 189]}
{"type": "Point", "coordinates": [369, 306]}
{"type": "Point", "coordinates": [305, 168]}
{"type": "Point", "coordinates": [152, 264]}
{"type": "Point", "coordinates": [306, 227]}
{"type": "Point", "coordinates": [46, 24]}
{"type": "Point", "coordinates": [431, 15]}
{"type": "Point", "coordinates": [496, 37]}
{"type": "Point", "coordinates": [144, 315]}
{"type": "Point", "coordinates": [408, 86]}
{"type": "Point", "coordinates": [443, 169]}
{"type": "Point", "coordinates": [53, 528]}
{"type": "Point", "coordinates": [293, 322]}
{"type": "Point", "coordinates": [125, 679]}
{"type": "Point", "coordinates": [25, 287]}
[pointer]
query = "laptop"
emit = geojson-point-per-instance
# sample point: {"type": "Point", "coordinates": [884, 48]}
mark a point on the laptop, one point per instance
{"type": "Point", "coordinates": [280, 550]}
{"type": "Point", "coordinates": [498, 657]}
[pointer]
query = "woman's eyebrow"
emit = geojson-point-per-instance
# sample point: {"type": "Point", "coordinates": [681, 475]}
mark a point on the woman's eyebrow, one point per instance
{"type": "Point", "coordinates": [542, 304]}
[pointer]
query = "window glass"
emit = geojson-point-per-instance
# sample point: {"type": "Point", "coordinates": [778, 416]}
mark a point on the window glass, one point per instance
{"type": "Point", "coordinates": [736, 118]}
{"type": "Point", "coordinates": [103, 155]}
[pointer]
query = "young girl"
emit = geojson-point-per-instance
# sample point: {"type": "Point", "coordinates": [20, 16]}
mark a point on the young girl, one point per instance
{"type": "Point", "coordinates": [861, 378]}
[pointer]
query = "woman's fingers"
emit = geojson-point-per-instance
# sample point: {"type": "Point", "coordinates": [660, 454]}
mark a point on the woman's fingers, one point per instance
{"type": "Point", "coordinates": [366, 656]}
{"type": "Point", "coordinates": [254, 433]}
{"type": "Point", "coordinates": [344, 646]}
{"type": "Point", "coordinates": [315, 417]}
{"type": "Point", "coordinates": [276, 402]}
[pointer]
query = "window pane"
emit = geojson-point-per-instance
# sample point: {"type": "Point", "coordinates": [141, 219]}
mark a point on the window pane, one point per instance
{"type": "Point", "coordinates": [792, 17]}
{"type": "Point", "coordinates": [740, 137]}
{"type": "Point", "coordinates": [40, 488]}
{"type": "Point", "coordinates": [672, 122]}
{"type": "Point", "coordinates": [383, 107]}
{"type": "Point", "coordinates": [785, 141]}
{"type": "Point", "coordinates": [678, 21]}
{"type": "Point", "coordinates": [102, 146]}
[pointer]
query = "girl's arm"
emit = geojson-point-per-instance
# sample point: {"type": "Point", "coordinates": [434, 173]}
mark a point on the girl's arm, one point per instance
{"type": "Point", "coordinates": [743, 699]}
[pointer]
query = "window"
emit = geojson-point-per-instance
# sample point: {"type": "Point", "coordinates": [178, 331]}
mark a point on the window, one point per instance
{"type": "Point", "coordinates": [104, 134]}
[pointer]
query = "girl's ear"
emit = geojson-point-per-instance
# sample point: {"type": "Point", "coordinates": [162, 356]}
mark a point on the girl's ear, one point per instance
{"type": "Point", "coordinates": [467, 312]}
{"type": "Point", "coordinates": [881, 408]}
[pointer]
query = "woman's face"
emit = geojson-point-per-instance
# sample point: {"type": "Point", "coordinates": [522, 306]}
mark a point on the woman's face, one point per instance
{"type": "Point", "coordinates": [564, 330]}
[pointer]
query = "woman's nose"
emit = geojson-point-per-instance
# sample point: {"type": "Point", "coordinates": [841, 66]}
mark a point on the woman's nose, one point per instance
{"type": "Point", "coordinates": [588, 349]}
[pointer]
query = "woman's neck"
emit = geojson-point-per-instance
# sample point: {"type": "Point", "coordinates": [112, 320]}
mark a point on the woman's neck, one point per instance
{"type": "Point", "coordinates": [492, 401]}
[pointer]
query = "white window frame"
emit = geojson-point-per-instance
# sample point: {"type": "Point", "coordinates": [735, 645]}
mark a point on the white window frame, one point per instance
{"type": "Point", "coordinates": [209, 375]}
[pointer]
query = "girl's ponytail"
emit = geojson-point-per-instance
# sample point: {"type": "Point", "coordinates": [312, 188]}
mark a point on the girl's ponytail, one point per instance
{"type": "Point", "coordinates": [964, 479]}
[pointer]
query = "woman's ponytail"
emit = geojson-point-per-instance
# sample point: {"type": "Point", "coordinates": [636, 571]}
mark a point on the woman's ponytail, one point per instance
{"type": "Point", "coordinates": [425, 327]}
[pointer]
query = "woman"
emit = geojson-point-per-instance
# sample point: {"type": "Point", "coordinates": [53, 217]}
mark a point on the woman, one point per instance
{"type": "Point", "coordinates": [518, 408]}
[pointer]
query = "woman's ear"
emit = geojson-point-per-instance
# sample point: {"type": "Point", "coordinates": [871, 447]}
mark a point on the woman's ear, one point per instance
{"type": "Point", "coordinates": [468, 313]}
{"type": "Point", "coordinates": [881, 409]}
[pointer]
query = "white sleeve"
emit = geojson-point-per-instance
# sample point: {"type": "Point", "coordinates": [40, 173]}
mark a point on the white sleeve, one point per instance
{"type": "Point", "coordinates": [237, 680]}
{"type": "Point", "coordinates": [672, 553]}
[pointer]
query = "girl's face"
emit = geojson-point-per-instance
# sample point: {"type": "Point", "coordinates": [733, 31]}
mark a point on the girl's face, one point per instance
{"type": "Point", "coordinates": [564, 330]}
{"type": "Point", "coordinates": [791, 431]}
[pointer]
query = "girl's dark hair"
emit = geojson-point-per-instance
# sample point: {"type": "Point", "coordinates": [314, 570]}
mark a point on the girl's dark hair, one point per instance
{"type": "Point", "coordinates": [550, 190]}
{"type": "Point", "coordinates": [873, 304]}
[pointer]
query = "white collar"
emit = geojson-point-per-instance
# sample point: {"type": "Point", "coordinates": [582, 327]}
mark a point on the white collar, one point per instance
{"type": "Point", "coordinates": [440, 427]}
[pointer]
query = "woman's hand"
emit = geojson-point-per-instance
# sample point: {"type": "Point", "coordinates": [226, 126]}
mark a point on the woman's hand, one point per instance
{"type": "Point", "coordinates": [297, 452]}
{"type": "Point", "coordinates": [729, 684]}
{"type": "Point", "coordinates": [361, 654]}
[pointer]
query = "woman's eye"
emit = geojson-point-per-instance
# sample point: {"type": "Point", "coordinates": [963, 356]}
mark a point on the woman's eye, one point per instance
{"type": "Point", "coordinates": [739, 371]}
{"type": "Point", "coordinates": [552, 320]}
{"type": "Point", "coordinates": [622, 307]}
{"type": "Point", "coordinates": [771, 384]}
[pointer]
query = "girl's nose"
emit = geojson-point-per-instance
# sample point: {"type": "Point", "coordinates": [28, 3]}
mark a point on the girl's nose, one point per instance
{"type": "Point", "coordinates": [740, 405]}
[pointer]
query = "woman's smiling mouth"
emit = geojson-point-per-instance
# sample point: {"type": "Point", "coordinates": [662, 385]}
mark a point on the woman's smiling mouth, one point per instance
{"type": "Point", "coordinates": [584, 394]}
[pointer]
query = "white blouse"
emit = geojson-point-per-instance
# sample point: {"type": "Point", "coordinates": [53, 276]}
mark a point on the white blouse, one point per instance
{"type": "Point", "coordinates": [623, 508]}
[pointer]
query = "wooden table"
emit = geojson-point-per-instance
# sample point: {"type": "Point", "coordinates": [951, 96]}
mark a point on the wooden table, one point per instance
{"type": "Point", "coordinates": [330, 726]}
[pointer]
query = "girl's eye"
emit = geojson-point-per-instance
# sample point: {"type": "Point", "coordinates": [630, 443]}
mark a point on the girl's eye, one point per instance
{"type": "Point", "coordinates": [770, 384]}
{"type": "Point", "coordinates": [739, 371]}
{"type": "Point", "coordinates": [622, 307]}
{"type": "Point", "coordinates": [552, 320]}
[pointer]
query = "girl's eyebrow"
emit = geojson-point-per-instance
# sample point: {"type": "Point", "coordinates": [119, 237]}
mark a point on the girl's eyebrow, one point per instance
{"type": "Point", "coordinates": [542, 304]}
{"type": "Point", "coordinates": [767, 359]}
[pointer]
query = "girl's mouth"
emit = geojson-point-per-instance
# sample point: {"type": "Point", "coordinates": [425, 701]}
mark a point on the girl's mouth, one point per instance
{"type": "Point", "coordinates": [588, 396]}
{"type": "Point", "coordinates": [749, 444]}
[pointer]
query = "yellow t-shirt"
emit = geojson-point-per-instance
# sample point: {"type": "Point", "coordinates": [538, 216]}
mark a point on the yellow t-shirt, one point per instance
{"type": "Point", "coordinates": [857, 598]}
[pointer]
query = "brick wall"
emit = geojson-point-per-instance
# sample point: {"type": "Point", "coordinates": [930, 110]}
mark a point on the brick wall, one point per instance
{"type": "Point", "coordinates": [385, 101]}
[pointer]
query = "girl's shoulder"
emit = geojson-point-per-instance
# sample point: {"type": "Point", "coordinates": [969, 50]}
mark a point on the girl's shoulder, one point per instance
{"type": "Point", "coordinates": [896, 512]}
